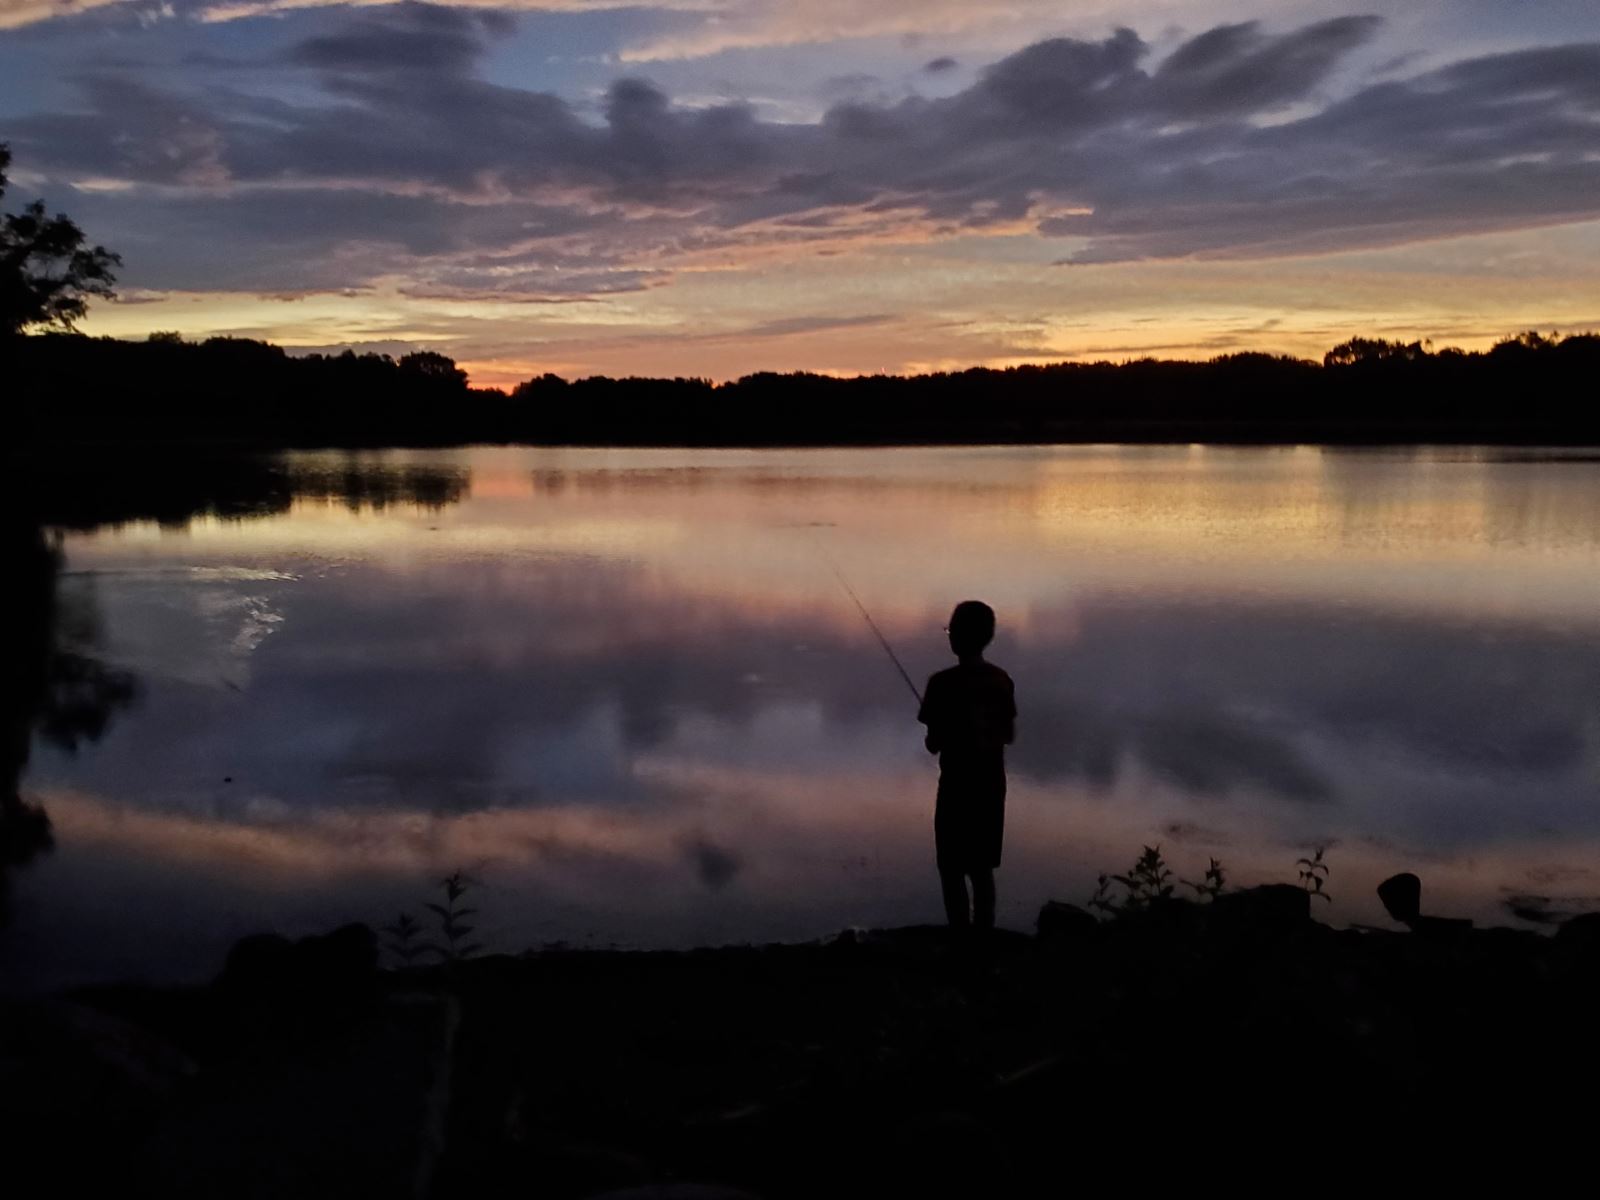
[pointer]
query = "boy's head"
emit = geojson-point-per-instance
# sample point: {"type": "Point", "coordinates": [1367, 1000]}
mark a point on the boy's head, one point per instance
{"type": "Point", "coordinates": [971, 627]}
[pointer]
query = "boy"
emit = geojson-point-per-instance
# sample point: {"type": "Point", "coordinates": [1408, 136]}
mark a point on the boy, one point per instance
{"type": "Point", "coordinates": [970, 710]}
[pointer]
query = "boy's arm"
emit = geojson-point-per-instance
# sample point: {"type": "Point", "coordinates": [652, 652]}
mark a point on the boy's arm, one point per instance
{"type": "Point", "coordinates": [926, 714]}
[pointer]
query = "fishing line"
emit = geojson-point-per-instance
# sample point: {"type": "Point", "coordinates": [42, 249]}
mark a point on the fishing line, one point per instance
{"type": "Point", "coordinates": [867, 617]}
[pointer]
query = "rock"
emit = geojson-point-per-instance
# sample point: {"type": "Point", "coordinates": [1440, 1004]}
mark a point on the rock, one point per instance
{"type": "Point", "coordinates": [1063, 924]}
{"type": "Point", "coordinates": [586, 1168]}
{"type": "Point", "coordinates": [1402, 897]}
{"type": "Point", "coordinates": [1581, 932]}
{"type": "Point", "coordinates": [270, 962]}
{"type": "Point", "coordinates": [260, 962]}
{"type": "Point", "coordinates": [344, 957]}
{"type": "Point", "coordinates": [1269, 911]}
{"type": "Point", "coordinates": [359, 1112]}
{"type": "Point", "coordinates": [676, 1191]}
{"type": "Point", "coordinates": [274, 987]}
{"type": "Point", "coordinates": [946, 1154]}
{"type": "Point", "coordinates": [81, 1089]}
{"type": "Point", "coordinates": [83, 1052]}
{"type": "Point", "coordinates": [1442, 927]}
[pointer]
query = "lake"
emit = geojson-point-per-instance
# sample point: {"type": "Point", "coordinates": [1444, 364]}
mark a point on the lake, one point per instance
{"type": "Point", "coordinates": [626, 691]}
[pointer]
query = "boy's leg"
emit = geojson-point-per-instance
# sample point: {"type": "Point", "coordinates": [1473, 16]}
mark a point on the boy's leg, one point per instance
{"type": "Point", "coordinates": [983, 898]}
{"type": "Point", "coordinates": [954, 884]}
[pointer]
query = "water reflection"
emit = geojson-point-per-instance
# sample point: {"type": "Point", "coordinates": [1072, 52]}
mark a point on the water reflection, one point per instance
{"type": "Point", "coordinates": [28, 634]}
{"type": "Point", "coordinates": [57, 688]}
{"type": "Point", "coordinates": [626, 688]}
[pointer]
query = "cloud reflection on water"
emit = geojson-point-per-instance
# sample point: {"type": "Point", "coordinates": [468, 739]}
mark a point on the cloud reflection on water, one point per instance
{"type": "Point", "coordinates": [692, 737]}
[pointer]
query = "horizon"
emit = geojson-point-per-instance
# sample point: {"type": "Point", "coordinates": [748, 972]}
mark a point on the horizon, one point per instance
{"type": "Point", "coordinates": [1429, 346]}
{"type": "Point", "coordinates": [718, 189]}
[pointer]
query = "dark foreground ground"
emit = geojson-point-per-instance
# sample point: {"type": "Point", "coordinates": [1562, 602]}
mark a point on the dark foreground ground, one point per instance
{"type": "Point", "coordinates": [1185, 1048]}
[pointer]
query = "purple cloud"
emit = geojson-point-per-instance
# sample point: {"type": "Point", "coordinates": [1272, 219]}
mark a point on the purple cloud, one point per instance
{"type": "Point", "coordinates": [404, 160]}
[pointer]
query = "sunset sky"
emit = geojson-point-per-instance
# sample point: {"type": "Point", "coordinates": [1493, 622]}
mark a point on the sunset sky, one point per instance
{"type": "Point", "coordinates": [712, 187]}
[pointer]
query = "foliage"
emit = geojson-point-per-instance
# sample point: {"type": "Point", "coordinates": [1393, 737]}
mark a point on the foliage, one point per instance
{"type": "Point", "coordinates": [405, 940]}
{"type": "Point", "coordinates": [46, 273]}
{"type": "Point", "coordinates": [451, 917]}
{"type": "Point", "coordinates": [1211, 886]}
{"type": "Point", "coordinates": [24, 832]}
{"type": "Point", "coordinates": [434, 367]}
{"type": "Point", "coordinates": [1362, 351]}
{"type": "Point", "coordinates": [1314, 873]}
{"type": "Point", "coordinates": [1103, 901]}
{"type": "Point", "coordinates": [1375, 353]}
{"type": "Point", "coordinates": [1148, 879]}
{"type": "Point", "coordinates": [1147, 882]}
{"type": "Point", "coordinates": [402, 941]}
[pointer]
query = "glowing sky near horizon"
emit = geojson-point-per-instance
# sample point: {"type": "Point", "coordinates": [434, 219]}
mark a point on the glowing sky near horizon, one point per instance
{"type": "Point", "coordinates": [711, 187]}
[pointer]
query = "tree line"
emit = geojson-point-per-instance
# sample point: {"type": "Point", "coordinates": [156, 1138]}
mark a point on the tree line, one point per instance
{"type": "Point", "coordinates": [70, 388]}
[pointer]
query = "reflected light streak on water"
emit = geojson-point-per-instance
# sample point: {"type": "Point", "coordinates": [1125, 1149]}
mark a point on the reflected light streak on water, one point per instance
{"type": "Point", "coordinates": [625, 689]}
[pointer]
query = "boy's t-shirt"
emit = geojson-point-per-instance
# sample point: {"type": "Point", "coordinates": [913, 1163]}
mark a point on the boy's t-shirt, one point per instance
{"type": "Point", "coordinates": [970, 710]}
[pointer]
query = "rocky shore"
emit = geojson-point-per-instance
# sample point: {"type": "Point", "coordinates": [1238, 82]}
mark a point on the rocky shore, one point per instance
{"type": "Point", "coordinates": [1176, 1045]}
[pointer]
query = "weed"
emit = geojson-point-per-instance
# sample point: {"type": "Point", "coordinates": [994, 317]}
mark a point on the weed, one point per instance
{"type": "Point", "coordinates": [1103, 901]}
{"type": "Point", "coordinates": [402, 941]}
{"type": "Point", "coordinates": [1314, 874]}
{"type": "Point", "coordinates": [405, 940]}
{"type": "Point", "coordinates": [451, 917]}
{"type": "Point", "coordinates": [1147, 882]}
{"type": "Point", "coordinates": [1211, 886]}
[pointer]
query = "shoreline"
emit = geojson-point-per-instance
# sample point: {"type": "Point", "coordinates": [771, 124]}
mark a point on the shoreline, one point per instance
{"type": "Point", "coordinates": [1264, 437]}
{"type": "Point", "coordinates": [872, 1063]}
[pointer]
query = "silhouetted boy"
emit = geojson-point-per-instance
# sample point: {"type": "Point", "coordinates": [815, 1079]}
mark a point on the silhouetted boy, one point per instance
{"type": "Point", "coordinates": [970, 711]}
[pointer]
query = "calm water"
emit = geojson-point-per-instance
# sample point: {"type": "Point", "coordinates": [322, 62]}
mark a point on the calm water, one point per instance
{"type": "Point", "coordinates": [626, 691]}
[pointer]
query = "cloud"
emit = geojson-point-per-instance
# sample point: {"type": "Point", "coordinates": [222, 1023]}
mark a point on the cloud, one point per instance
{"type": "Point", "coordinates": [425, 38]}
{"type": "Point", "coordinates": [715, 866]}
{"type": "Point", "coordinates": [786, 326]}
{"type": "Point", "coordinates": [1276, 698]}
{"type": "Point", "coordinates": [407, 163]}
{"type": "Point", "coordinates": [452, 698]}
{"type": "Point", "coordinates": [16, 14]}
{"type": "Point", "coordinates": [1234, 70]}
{"type": "Point", "coordinates": [751, 24]}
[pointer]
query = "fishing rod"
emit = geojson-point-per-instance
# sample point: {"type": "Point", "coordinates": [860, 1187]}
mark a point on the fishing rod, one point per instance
{"type": "Point", "coordinates": [867, 617]}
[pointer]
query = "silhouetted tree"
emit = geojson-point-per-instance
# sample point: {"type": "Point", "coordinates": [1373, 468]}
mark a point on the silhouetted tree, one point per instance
{"type": "Point", "coordinates": [434, 367]}
{"type": "Point", "coordinates": [28, 610]}
{"type": "Point", "coordinates": [1525, 346]}
{"type": "Point", "coordinates": [539, 386]}
{"type": "Point", "coordinates": [46, 273]}
{"type": "Point", "coordinates": [245, 393]}
{"type": "Point", "coordinates": [51, 684]}
{"type": "Point", "coordinates": [1373, 350]}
